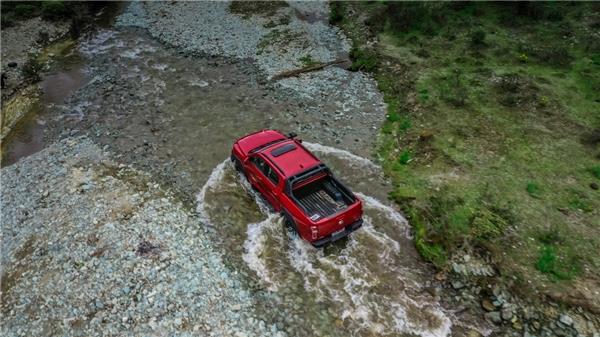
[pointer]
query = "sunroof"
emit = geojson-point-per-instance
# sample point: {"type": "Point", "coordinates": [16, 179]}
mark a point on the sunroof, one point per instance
{"type": "Point", "coordinates": [283, 149]}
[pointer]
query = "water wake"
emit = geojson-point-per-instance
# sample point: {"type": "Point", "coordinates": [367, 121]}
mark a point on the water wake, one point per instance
{"type": "Point", "coordinates": [342, 154]}
{"type": "Point", "coordinates": [368, 281]}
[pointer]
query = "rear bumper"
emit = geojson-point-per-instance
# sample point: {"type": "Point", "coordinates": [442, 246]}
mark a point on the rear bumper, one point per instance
{"type": "Point", "coordinates": [349, 229]}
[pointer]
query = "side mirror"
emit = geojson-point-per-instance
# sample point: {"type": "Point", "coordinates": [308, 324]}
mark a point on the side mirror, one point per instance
{"type": "Point", "coordinates": [292, 135]}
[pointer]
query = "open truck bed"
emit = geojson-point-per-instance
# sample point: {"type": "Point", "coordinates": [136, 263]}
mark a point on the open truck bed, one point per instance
{"type": "Point", "coordinates": [321, 198]}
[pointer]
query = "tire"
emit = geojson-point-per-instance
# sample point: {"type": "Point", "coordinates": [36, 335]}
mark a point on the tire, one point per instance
{"type": "Point", "coordinates": [289, 223]}
{"type": "Point", "coordinates": [236, 163]}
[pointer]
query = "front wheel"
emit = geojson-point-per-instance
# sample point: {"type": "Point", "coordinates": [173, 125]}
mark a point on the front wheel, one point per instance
{"type": "Point", "coordinates": [236, 163]}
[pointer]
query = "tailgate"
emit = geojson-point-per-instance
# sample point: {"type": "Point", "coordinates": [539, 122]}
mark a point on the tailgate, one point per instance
{"type": "Point", "coordinates": [339, 221]}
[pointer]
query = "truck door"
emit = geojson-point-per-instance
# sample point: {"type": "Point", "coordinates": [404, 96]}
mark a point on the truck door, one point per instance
{"type": "Point", "coordinates": [265, 179]}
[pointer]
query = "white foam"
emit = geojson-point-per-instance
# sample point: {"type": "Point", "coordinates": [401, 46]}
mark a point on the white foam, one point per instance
{"type": "Point", "coordinates": [391, 213]}
{"type": "Point", "coordinates": [216, 176]}
{"type": "Point", "coordinates": [343, 154]}
{"type": "Point", "coordinates": [254, 246]}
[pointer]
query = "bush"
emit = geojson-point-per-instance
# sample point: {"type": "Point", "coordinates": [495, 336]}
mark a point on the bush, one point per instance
{"type": "Point", "coordinates": [31, 69]}
{"type": "Point", "coordinates": [595, 171]}
{"type": "Point", "coordinates": [533, 189]}
{"type": "Point", "coordinates": [477, 38]}
{"type": "Point", "coordinates": [8, 20]}
{"type": "Point", "coordinates": [336, 10]}
{"type": "Point", "coordinates": [363, 59]}
{"type": "Point", "coordinates": [453, 90]}
{"type": "Point", "coordinates": [25, 10]}
{"type": "Point", "coordinates": [55, 10]}
{"type": "Point", "coordinates": [423, 16]}
{"type": "Point", "coordinates": [431, 251]}
{"type": "Point", "coordinates": [404, 157]}
{"type": "Point", "coordinates": [559, 269]}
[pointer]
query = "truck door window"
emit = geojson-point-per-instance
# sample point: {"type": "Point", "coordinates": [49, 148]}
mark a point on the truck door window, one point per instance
{"type": "Point", "coordinates": [265, 169]}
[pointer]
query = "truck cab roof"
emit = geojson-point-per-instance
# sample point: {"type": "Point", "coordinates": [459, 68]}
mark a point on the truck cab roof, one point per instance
{"type": "Point", "coordinates": [289, 157]}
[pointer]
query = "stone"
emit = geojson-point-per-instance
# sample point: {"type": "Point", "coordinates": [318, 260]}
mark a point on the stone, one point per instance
{"type": "Point", "coordinates": [506, 314]}
{"type": "Point", "coordinates": [457, 284]}
{"type": "Point", "coordinates": [488, 305]}
{"type": "Point", "coordinates": [566, 320]}
{"type": "Point", "coordinates": [494, 316]}
{"type": "Point", "coordinates": [12, 64]}
{"type": "Point", "coordinates": [594, 186]}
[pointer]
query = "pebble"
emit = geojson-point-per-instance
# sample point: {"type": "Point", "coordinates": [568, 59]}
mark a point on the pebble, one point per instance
{"type": "Point", "coordinates": [566, 320]}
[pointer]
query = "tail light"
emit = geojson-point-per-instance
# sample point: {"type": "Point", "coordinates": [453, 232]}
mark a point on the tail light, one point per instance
{"type": "Point", "coordinates": [314, 231]}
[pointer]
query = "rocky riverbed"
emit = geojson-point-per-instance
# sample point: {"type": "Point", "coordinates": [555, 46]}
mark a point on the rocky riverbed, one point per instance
{"type": "Point", "coordinates": [131, 219]}
{"type": "Point", "coordinates": [95, 247]}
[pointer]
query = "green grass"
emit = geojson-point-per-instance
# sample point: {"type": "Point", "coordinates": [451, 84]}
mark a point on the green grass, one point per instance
{"type": "Point", "coordinates": [595, 171]}
{"type": "Point", "coordinates": [308, 61]}
{"type": "Point", "coordinates": [555, 266]}
{"type": "Point", "coordinates": [488, 108]}
{"type": "Point", "coordinates": [533, 189]}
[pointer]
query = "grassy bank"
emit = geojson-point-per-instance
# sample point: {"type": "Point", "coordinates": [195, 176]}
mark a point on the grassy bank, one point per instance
{"type": "Point", "coordinates": [492, 137]}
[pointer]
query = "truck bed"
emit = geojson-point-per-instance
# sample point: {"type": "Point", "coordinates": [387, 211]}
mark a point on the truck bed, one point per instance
{"type": "Point", "coordinates": [321, 198]}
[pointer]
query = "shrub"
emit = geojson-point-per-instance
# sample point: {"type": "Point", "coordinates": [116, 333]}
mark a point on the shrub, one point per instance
{"type": "Point", "coordinates": [533, 189]}
{"type": "Point", "coordinates": [404, 125]}
{"type": "Point", "coordinates": [477, 38]}
{"type": "Point", "coordinates": [31, 69]}
{"type": "Point", "coordinates": [550, 263]}
{"type": "Point", "coordinates": [431, 251]}
{"type": "Point", "coordinates": [423, 95]}
{"type": "Point", "coordinates": [307, 60]}
{"type": "Point", "coordinates": [423, 16]}
{"type": "Point", "coordinates": [363, 59]}
{"type": "Point", "coordinates": [453, 90]}
{"type": "Point", "coordinates": [595, 171]}
{"type": "Point", "coordinates": [25, 10]}
{"type": "Point", "coordinates": [487, 224]}
{"type": "Point", "coordinates": [8, 20]}
{"type": "Point", "coordinates": [404, 157]}
{"type": "Point", "coordinates": [55, 10]}
{"type": "Point", "coordinates": [336, 10]}
{"type": "Point", "coordinates": [393, 116]}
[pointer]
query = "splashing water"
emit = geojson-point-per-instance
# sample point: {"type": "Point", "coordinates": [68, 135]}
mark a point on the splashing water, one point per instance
{"type": "Point", "coordinates": [370, 281]}
{"type": "Point", "coordinates": [350, 157]}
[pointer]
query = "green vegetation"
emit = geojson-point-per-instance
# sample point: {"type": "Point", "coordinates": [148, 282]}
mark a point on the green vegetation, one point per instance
{"type": "Point", "coordinates": [308, 61]}
{"type": "Point", "coordinates": [533, 189]}
{"type": "Point", "coordinates": [363, 59]}
{"type": "Point", "coordinates": [596, 171]}
{"type": "Point", "coordinates": [494, 107]}
{"type": "Point", "coordinates": [31, 69]}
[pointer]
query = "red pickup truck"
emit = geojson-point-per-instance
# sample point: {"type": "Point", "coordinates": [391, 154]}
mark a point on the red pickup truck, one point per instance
{"type": "Point", "coordinates": [298, 185]}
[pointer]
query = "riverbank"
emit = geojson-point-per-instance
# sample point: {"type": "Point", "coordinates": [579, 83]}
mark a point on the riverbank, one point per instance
{"type": "Point", "coordinates": [490, 146]}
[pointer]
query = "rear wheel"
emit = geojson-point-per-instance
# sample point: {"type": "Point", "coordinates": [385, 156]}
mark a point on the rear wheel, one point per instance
{"type": "Point", "coordinates": [290, 225]}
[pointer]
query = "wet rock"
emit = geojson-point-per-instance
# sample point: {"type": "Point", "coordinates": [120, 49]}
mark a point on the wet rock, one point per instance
{"type": "Point", "coordinates": [494, 317]}
{"type": "Point", "coordinates": [12, 64]}
{"type": "Point", "coordinates": [594, 186]}
{"type": "Point", "coordinates": [566, 320]}
{"type": "Point", "coordinates": [456, 284]}
{"type": "Point", "coordinates": [487, 305]}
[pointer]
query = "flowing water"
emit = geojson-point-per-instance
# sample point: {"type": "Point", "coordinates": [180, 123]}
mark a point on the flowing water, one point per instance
{"type": "Point", "coordinates": [370, 284]}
